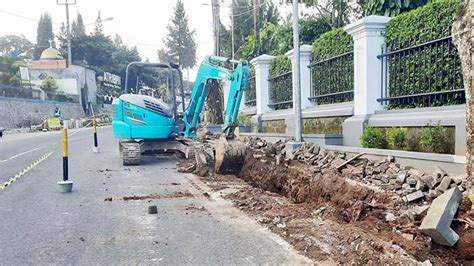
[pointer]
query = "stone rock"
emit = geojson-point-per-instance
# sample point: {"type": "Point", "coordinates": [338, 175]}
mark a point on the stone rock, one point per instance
{"type": "Point", "coordinates": [444, 185]}
{"type": "Point", "coordinates": [414, 196]}
{"type": "Point", "coordinates": [459, 178]}
{"type": "Point", "coordinates": [437, 221]}
{"type": "Point", "coordinates": [421, 185]}
{"type": "Point", "coordinates": [411, 181]}
{"type": "Point", "coordinates": [439, 173]}
{"type": "Point", "coordinates": [415, 172]}
{"type": "Point", "coordinates": [408, 236]}
{"type": "Point", "coordinates": [390, 217]}
{"type": "Point", "coordinates": [402, 175]}
{"type": "Point", "coordinates": [390, 158]}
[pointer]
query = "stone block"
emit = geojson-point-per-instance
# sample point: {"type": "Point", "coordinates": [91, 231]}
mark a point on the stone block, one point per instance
{"type": "Point", "coordinates": [437, 221]}
{"type": "Point", "coordinates": [444, 185]}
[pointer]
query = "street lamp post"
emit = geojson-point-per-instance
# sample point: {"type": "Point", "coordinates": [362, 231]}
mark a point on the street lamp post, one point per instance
{"type": "Point", "coordinates": [297, 77]}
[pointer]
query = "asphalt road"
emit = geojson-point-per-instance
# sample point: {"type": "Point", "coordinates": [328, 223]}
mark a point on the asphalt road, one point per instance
{"type": "Point", "coordinates": [40, 225]}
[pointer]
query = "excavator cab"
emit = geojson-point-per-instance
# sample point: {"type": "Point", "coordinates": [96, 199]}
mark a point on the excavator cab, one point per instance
{"type": "Point", "coordinates": [143, 112]}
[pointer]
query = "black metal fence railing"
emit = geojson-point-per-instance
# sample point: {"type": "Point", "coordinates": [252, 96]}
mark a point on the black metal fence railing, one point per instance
{"type": "Point", "coordinates": [250, 93]}
{"type": "Point", "coordinates": [424, 75]}
{"type": "Point", "coordinates": [332, 79]}
{"type": "Point", "coordinates": [281, 91]}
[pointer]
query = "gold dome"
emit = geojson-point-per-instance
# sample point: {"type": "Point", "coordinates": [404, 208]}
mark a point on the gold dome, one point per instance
{"type": "Point", "coordinates": [50, 54]}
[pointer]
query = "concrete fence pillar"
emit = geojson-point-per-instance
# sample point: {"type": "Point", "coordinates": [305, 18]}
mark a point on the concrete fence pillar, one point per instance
{"type": "Point", "coordinates": [262, 65]}
{"type": "Point", "coordinates": [368, 35]}
{"type": "Point", "coordinates": [305, 72]}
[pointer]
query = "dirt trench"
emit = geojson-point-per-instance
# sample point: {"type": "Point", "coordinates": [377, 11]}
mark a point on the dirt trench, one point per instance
{"type": "Point", "coordinates": [331, 218]}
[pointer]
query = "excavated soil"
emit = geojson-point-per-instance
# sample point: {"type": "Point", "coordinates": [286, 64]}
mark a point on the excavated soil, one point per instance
{"type": "Point", "coordinates": [332, 218]}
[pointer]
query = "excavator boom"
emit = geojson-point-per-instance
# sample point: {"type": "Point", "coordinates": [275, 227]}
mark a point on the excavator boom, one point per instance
{"type": "Point", "coordinates": [229, 153]}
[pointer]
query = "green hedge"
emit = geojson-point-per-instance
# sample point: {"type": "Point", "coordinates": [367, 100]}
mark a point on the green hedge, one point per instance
{"type": "Point", "coordinates": [429, 22]}
{"type": "Point", "coordinates": [250, 93]}
{"type": "Point", "coordinates": [331, 43]}
{"type": "Point", "coordinates": [334, 75]}
{"type": "Point", "coordinates": [280, 88]}
{"type": "Point", "coordinates": [431, 69]}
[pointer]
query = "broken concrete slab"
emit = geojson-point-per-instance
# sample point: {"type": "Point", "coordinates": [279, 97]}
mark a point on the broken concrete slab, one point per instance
{"type": "Point", "coordinates": [437, 221]}
{"type": "Point", "coordinates": [414, 196]}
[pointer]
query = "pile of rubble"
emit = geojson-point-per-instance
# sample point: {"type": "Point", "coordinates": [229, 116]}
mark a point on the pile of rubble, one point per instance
{"type": "Point", "coordinates": [430, 199]}
{"type": "Point", "coordinates": [408, 182]}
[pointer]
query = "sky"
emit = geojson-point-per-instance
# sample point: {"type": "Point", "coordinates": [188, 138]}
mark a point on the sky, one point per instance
{"type": "Point", "coordinates": [140, 23]}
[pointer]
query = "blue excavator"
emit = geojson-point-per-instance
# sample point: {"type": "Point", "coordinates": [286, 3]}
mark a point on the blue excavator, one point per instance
{"type": "Point", "coordinates": [147, 124]}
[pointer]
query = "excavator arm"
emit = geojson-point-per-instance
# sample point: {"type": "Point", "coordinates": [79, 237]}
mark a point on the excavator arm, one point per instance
{"type": "Point", "coordinates": [229, 152]}
{"type": "Point", "coordinates": [210, 69]}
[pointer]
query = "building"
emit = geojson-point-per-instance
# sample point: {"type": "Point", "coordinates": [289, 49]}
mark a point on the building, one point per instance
{"type": "Point", "coordinates": [78, 82]}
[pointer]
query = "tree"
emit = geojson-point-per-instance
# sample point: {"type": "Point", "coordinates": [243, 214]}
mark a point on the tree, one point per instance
{"type": "Point", "coordinates": [462, 32]}
{"type": "Point", "coordinates": [337, 13]}
{"type": "Point", "coordinates": [98, 28]}
{"type": "Point", "coordinates": [62, 38]}
{"type": "Point", "coordinates": [45, 35]}
{"type": "Point", "coordinates": [49, 84]}
{"type": "Point", "coordinates": [180, 44]}
{"type": "Point", "coordinates": [78, 29]}
{"type": "Point", "coordinates": [278, 39]}
{"type": "Point", "coordinates": [242, 12]}
{"type": "Point", "coordinates": [390, 7]}
{"type": "Point", "coordinates": [16, 46]}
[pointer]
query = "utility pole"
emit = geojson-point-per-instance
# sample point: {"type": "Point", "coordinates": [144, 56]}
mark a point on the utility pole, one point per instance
{"type": "Point", "coordinates": [255, 19]}
{"type": "Point", "coordinates": [232, 28]}
{"type": "Point", "coordinates": [296, 74]}
{"type": "Point", "coordinates": [215, 22]}
{"type": "Point", "coordinates": [67, 3]}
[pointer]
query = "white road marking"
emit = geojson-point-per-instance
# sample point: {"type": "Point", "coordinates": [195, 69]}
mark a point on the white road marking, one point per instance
{"type": "Point", "coordinates": [20, 154]}
{"type": "Point", "coordinates": [35, 149]}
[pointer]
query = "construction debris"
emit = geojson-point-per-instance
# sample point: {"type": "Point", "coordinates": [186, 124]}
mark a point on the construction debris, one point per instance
{"type": "Point", "coordinates": [437, 222]}
{"type": "Point", "coordinates": [358, 185]}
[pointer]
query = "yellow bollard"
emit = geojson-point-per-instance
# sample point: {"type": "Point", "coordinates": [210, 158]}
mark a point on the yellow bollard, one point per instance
{"type": "Point", "coordinates": [65, 185]}
{"type": "Point", "coordinates": [64, 145]}
{"type": "Point", "coordinates": [96, 148]}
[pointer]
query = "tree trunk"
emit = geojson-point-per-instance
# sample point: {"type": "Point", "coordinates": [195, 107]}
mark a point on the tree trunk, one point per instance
{"type": "Point", "coordinates": [463, 39]}
{"type": "Point", "coordinates": [215, 103]}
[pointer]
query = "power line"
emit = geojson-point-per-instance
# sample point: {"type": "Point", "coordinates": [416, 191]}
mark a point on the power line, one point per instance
{"type": "Point", "coordinates": [20, 16]}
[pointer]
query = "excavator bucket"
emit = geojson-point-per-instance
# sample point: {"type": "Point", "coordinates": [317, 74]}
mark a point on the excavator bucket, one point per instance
{"type": "Point", "coordinates": [230, 156]}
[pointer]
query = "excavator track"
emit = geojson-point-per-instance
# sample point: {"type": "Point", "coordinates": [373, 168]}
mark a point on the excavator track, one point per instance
{"type": "Point", "coordinates": [229, 156]}
{"type": "Point", "coordinates": [130, 152]}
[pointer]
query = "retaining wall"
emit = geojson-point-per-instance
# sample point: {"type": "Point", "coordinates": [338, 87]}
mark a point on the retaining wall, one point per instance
{"type": "Point", "coordinates": [15, 112]}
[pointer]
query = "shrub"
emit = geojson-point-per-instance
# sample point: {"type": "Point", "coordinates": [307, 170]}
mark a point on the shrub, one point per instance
{"type": "Point", "coordinates": [373, 138]}
{"type": "Point", "coordinates": [434, 139]}
{"type": "Point", "coordinates": [15, 80]}
{"type": "Point", "coordinates": [396, 138]}
{"type": "Point", "coordinates": [49, 84]}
